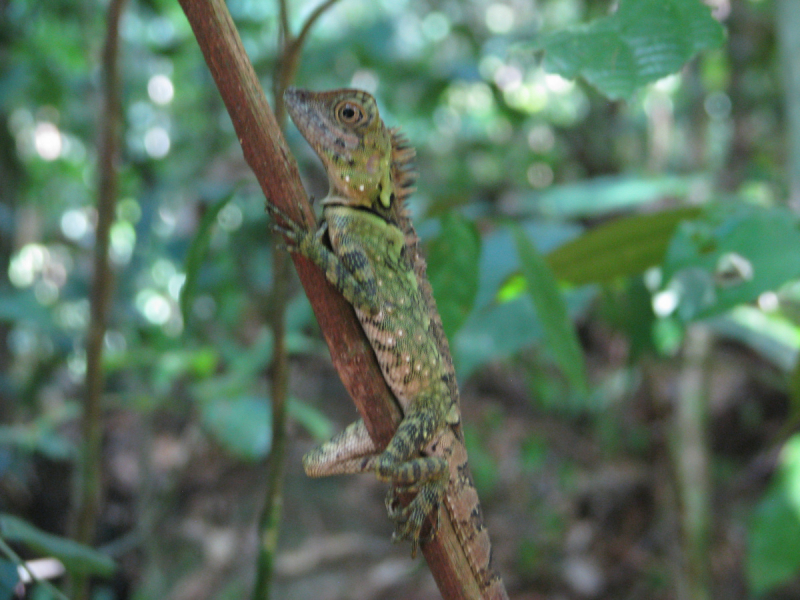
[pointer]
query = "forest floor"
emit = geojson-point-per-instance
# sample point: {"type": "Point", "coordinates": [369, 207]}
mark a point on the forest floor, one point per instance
{"type": "Point", "coordinates": [579, 504]}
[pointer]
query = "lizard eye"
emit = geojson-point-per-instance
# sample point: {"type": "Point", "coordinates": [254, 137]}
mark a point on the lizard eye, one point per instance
{"type": "Point", "coordinates": [350, 113]}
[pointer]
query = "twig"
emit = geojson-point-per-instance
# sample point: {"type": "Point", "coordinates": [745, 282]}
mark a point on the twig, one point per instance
{"type": "Point", "coordinates": [266, 152]}
{"type": "Point", "coordinates": [269, 522]}
{"type": "Point", "coordinates": [692, 461]}
{"type": "Point", "coordinates": [787, 28]}
{"type": "Point", "coordinates": [312, 18]}
{"type": "Point", "coordinates": [88, 501]}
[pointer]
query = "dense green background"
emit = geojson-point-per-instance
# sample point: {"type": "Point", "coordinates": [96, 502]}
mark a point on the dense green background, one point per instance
{"type": "Point", "coordinates": [582, 235]}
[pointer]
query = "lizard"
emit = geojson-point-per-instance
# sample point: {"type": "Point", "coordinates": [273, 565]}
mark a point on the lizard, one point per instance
{"type": "Point", "coordinates": [368, 249]}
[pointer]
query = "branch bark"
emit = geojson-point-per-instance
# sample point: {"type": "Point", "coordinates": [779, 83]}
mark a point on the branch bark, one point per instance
{"type": "Point", "coordinates": [276, 171]}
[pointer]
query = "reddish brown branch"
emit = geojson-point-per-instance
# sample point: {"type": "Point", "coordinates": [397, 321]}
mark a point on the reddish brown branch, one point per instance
{"type": "Point", "coordinates": [276, 171]}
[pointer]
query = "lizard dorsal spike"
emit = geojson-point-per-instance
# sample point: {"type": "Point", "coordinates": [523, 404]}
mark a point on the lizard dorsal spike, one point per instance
{"type": "Point", "coordinates": [403, 170]}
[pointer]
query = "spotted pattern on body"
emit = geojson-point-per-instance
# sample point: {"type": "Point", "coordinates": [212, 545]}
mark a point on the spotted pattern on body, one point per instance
{"type": "Point", "coordinates": [368, 249]}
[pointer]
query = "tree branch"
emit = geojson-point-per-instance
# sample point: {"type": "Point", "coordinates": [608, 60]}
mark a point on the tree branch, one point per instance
{"type": "Point", "coordinates": [276, 171]}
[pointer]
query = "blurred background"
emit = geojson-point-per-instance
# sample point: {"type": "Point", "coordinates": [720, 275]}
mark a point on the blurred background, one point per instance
{"type": "Point", "coordinates": [615, 252]}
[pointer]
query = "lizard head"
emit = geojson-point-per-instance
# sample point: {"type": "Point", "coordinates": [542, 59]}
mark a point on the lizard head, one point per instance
{"type": "Point", "coordinates": [345, 130]}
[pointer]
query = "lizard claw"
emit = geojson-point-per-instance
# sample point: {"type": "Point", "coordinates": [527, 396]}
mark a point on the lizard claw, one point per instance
{"type": "Point", "coordinates": [290, 224]}
{"type": "Point", "coordinates": [291, 231]}
{"type": "Point", "coordinates": [409, 520]}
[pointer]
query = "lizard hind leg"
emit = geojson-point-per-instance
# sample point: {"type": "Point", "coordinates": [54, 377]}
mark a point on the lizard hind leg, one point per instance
{"type": "Point", "coordinates": [424, 476]}
{"type": "Point", "coordinates": [350, 451]}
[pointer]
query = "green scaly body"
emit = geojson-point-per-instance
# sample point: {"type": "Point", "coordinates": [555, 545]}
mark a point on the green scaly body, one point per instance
{"type": "Point", "coordinates": [368, 249]}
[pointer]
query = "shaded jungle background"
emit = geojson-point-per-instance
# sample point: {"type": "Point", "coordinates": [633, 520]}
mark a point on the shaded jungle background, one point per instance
{"type": "Point", "coordinates": [616, 254]}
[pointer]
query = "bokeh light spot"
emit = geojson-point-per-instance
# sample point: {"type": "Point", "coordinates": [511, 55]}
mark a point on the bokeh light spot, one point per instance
{"type": "Point", "coordinates": [157, 142]}
{"type": "Point", "coordinates": [540, 175]}
{"type": "Point", "coordinates": [123, 241]}
{"type": "Point", "coordinates": [499, 18]}
{"type": "Point", "coordinates": [74, 224]}
{"type": "Point", "coordinates": [160, 89]}
{"type": "Point", "coordinates": [435, 26]}
{"type": "Point", "coordinates": [47, 140]}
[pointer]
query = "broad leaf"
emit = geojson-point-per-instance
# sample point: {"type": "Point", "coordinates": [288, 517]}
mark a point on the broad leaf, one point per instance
{"type": "Point", "coordinates": [643, 41]}
{"type": "Point", "coordinates": [495, 333]}
{"type": "Point", "coordinates": [497, 330]}
{"type": "Point", "coordinates": [315, 422]}
{"type": "Point", "coordinates": [76, 557]}
{"type": "Point", "coordinates": [559, 332]}
{"type": "Point", "coordinates": [771, 335]}
{"type": "Point", "coordinates": [607, 194]}
{"type": "Point", "coordinates": [453, 270]}
{"type": "Point", "coordinates": [729, 257]}
{"type": "Point", "coordinates": [773, 554]}
{"type": "Point", "coordinates": [243, 425]}
{"type": "Point", "coordinates": [624, 247]}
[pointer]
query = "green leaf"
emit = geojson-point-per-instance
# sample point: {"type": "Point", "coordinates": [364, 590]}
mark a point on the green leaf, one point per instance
{"type": "Point", "coordinates": [76, 557]}
{"type": "Point", "coordinates": [631, 310]}
{"type": "Point", "coordinates": [773, 554]}
{"type": "Point", "coordinates": [453, 259]}
{"type": "Point", "coordinates": [196, 254]}
{"type": "Point", "coordinates": [9, 578]}
{"type": "Point", "coordinates": [38, 437]}
{"type": "Point", "coordinates": [729, 257]}
{"type": "Point", "coordinates": [243, 425]}
{"type": "Point", "coordinates": [499, 259]}
{"type": "Point", "coordinates": [608, 194]}
{"type": "Point", "coordinates": [242, 370]}
{"type": "Point", "coordinates": [642, 42]}
{"type": "Point", "coordinates": [562, 340]}
{"type": "Point", "coordinates": [771, 335]}
{"type": "Point", "coordinates": [495, 333]}
{"type": "Point", "coordinates": [315, 422]}
{"type": "Point", "coordinates": [496, 329]}
{"type": "Point", "coordinates": [623, 247]}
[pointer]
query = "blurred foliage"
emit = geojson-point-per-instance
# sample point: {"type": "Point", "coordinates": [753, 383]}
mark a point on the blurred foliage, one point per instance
{"type": "Point", "coordinates": [75, 557]}
{"type": "Point", "coordinates": [632, 220]}
{"type": "Point", "coordinates": [775, 526]}
{"type": "Point", "coordinates": [643, 41]}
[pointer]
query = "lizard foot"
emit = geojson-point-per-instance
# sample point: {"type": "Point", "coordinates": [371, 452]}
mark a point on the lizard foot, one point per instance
{"type": "Point", "coordinates": [409, 520]}
{"type": "Point", "coordinates": [291, 231]}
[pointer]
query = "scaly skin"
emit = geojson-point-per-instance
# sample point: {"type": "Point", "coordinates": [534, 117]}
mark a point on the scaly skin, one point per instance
{"type": "Point", "coordinates": [368, 250]}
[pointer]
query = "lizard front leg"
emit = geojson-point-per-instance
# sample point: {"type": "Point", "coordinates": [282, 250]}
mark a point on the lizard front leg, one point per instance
{"type": "Point", "coordinates": [349, 273]}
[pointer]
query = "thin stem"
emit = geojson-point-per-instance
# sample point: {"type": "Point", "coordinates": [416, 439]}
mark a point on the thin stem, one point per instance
{"type": "Point", "coordinates": [787, 28]}
{"type": "Point", "coordinates": [283, 11]}
{"type": "Point", "coordinates": [269, 522]}
{"type": "Point", "coordinates": [89, 489]}
{"type": "Point", "coordinates": [692, 461]}
{"type": "Point", "coordinates": [312, 18]}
